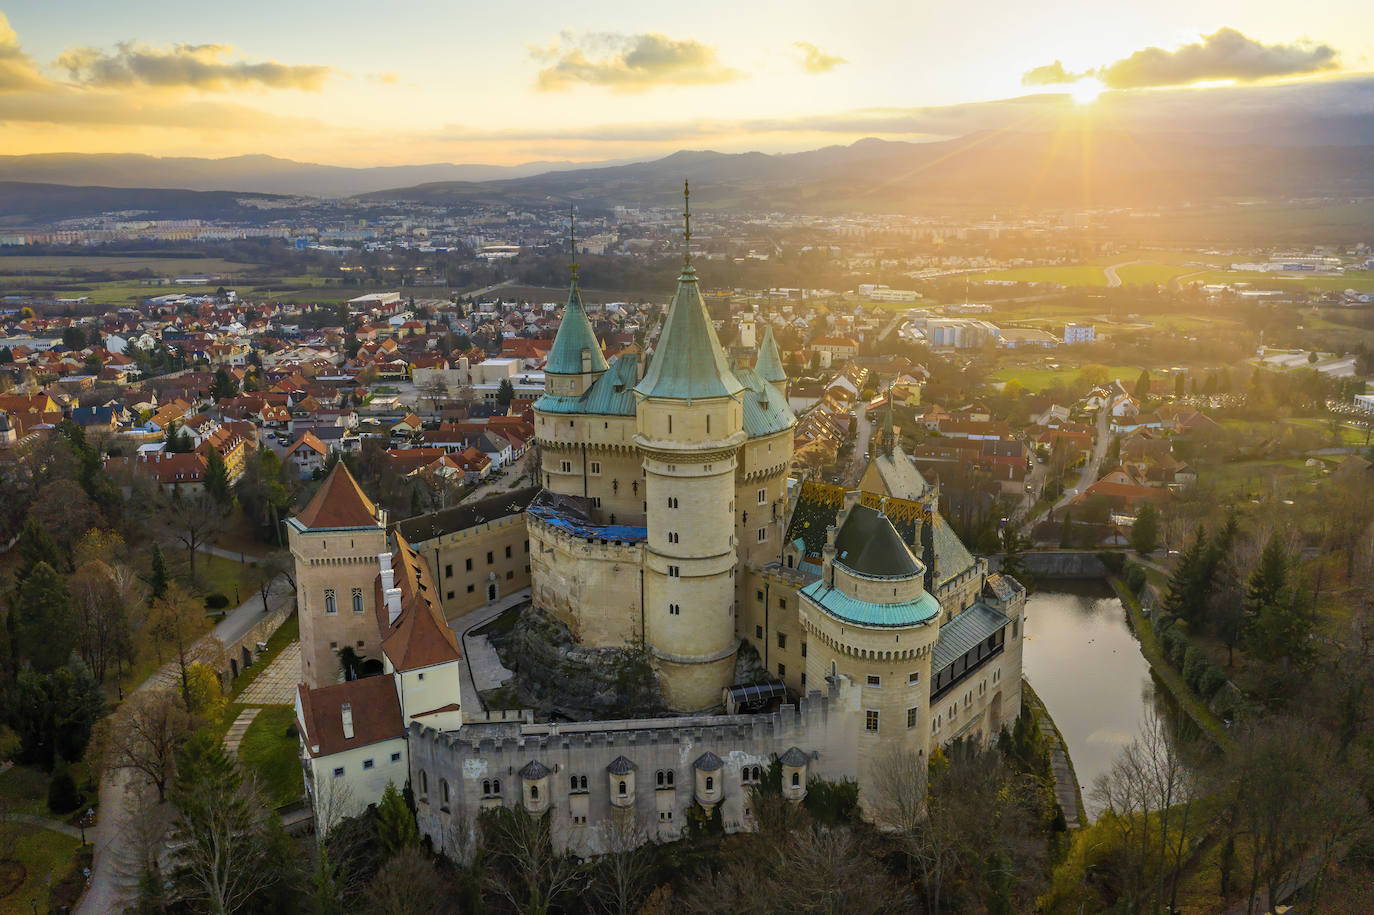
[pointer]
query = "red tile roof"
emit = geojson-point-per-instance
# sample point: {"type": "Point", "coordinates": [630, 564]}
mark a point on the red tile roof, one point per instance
{"type": "Point", "coordinates": [338, 503]}
{"type": "Point", "coordinates": [420, 637]}
{"type": "Point", "coordinates": [376, 714]}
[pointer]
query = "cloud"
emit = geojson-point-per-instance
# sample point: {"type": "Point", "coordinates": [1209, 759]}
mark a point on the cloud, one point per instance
{"type": "Point", "coordinates": [1051, 75]}
{"type": "Point", "coordinates": [389, 77]}
{"type": "Point", "coordinates": [183, 66]}
{"type": "Point", "coordinates": [17, 70]}
{"type": "Point", "coordinates": [629, 63]}
{"type": "Point", "coordinates": [1226, 54]}
{"type": "Point", "coordinates": [814, 60]}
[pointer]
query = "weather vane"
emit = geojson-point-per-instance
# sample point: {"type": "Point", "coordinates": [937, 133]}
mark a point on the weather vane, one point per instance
{"type": "Point", "coordinates": [687, 221]}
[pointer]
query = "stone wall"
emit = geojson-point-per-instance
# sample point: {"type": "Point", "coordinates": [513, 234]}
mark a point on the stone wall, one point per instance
{"type": "Point", "coordinates": [1058, 563]}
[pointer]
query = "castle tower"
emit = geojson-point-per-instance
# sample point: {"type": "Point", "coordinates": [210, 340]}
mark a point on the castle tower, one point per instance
{"type": "Point", "coordinates": [576, 360]}
{"type": "Point", "coordinates": [689, 429]}
{"type": "Point", "coordinates": [769, 362]}
{"type": "Point", "coordinates": [335, 541]}
{"type": "Point", "coordinates": [870, 618]}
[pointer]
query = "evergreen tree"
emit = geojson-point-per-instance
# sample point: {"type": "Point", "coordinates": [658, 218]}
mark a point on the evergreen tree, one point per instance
{"type": "Point", "coordinates": [396, 829]}
{"type": "Point", "coordinates": [53, 714]}
{"type": "Point", "coordinates": [505, 393]}
{"type": "Point", "coordinates": [224, 384]}
{"type": "Point", "coordinates": [158, 576]}
{"type": "Point", "coordinates": [1145, 531]}
{"type": "Point", "coordinates": [1013, 560]}
{"type": "Point", "coordinates": [35, 545]}
{"type": "Point", "coordinates": [47, 624]}
{"type": "Point", "coordinates": [1142, 385]}
{"type": "Point", "coordinates": [1270, 578]}
{"type": "Point", "coordinates": [217, 476]}
{"type": "Point", "coordinates": [1188, 585]}
{"type": "Point", "coordinates": [6, 356]}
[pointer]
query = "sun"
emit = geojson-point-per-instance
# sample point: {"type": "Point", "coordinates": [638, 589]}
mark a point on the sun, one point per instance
{"type": "Point", "coordinates": [1086, 91]}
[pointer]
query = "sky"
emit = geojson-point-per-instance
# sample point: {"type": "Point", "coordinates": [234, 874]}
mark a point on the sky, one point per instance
{"type": "Point", "coordinates": [415, 81]}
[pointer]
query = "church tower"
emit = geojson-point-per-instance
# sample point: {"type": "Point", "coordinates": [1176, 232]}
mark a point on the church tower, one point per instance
{"type": "Point", "coordinates": [336, 541]}
{"type": "Point", "coordinates": [689, 429]}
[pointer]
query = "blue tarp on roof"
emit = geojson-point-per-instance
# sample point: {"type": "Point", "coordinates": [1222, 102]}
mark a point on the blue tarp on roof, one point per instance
{"type": "Point", "coordinates": [578, 528]}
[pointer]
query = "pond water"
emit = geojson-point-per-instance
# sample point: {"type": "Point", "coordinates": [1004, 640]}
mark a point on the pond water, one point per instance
{"type": "Point", "coordinates": [1086, 666]}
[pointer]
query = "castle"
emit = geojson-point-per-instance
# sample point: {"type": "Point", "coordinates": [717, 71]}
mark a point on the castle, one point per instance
{"type": "Point", "coordinates": [665, 518]}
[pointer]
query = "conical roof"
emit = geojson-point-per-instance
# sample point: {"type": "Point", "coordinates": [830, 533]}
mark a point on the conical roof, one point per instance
{"type": "Point", "coordinates": [769, 361]}
{"type": "Point", "coordinates": [688, 362]}
{"type": "Point", "coordinates": [867, 543]}
{"type": "Point", "coordinates": [574, 335]}
{"type": "Point", "coordinates": [339, 502]}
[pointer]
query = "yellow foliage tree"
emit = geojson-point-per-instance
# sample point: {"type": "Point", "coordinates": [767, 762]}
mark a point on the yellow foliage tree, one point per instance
{"type": "Point", "coordinates": [203, 688]}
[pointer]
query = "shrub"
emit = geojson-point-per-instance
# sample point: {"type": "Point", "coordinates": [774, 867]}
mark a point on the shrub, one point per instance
{"type": "Point", "coordinates": [216, 602]}
{"type": "Point", "coordinates": [1176, 647]}
{"type": "Point", "coordinates": [62, 794]}
{"type": "Point", "coordinates": [1112, 560]}
{"type": "Point", "coordinates": [1135, 579]}
{"type": "Point", "coordinates": [1212, 679]}
{"type": "Point", "coordinates": [1194, 662]}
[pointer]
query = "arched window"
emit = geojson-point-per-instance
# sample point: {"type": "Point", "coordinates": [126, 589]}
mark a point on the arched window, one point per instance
{"type": "Point", "coordinates": [574, 782]}
{"type": "Point", "coordinates": [796, 779]}
{"type": "Point", "coordinates": [357, 600]}
{"type": "Point", "coordinates": [583, 782]}
{"type": "Point", "coordinates": [660, 778]}
{"type": "Point", "coordinates": [330, 606]}
{"type": "Point", "coordinates": [710, 783]}
{"type": "Point", "coordinates": [443, 793]}
{"type": "Point", "coordinates": [496, 786]}
{"type": "Point", "coordinates": [622, 788]}
{"type": "Point", "coordinates": [534, 792]}
{"type": "Point", "coordinates": [486, 786]}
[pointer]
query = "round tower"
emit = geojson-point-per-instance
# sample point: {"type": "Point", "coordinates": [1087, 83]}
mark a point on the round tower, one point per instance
{"type": "Point", "coordinates": [689, 429]}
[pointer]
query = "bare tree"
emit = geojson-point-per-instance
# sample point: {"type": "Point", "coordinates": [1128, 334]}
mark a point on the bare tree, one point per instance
{"type": "Point", "coordinates": [526, 869]}
{"type": "Point", "coordinates": [100, 594]}
{"type": "Point", "coordinates": [194, 520]}
{"type": "Point", "coordinates": [408, 884]}
{"type": "Point", "coordinates": [434, 391]}
{"type": "Point", "coordinates": [143, 736]}
{"type": "Point", "coordinates": [176, 619]}
{"type": "Point", "coordinates": [622, 875]}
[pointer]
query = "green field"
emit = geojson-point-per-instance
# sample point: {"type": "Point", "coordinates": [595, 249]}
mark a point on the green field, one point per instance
{"type": "Point", "coordinates": [46, 857]}
{"type": "Point", "coordinates": [270, 752]}
{"type": "Point", "coordinates": [85, 263]}
{"type": "Point", "coordinates": [1362, 281]}
{"type": "Point", "coordinates": [1154, 274]}
{"type": "Point", "coordinates": [1036, 378]}
{"type": "Point", "coordinates": [1072, 275]}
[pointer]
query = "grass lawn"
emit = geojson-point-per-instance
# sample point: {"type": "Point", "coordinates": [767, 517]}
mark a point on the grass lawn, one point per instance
{"type": "Point", "coordinates": [1149, 273]}
{"type": "Point", "coordinates": [45, 856]}
{"type": "Point", "coordinates": [1068, 275]}
{"type": "Point", "coordinates": [24, 789]}
{"type": "Point", "coordinates": [1035, 378]}
{"type": "Point", "coordinates": [86, 263]}
{"type": "Point", "coordinates": [236, 580]}
{"type": "Point", "coordinates": [270, 751]}
{"type": "Point", "coordinates": [1258, 478]}
{"type": "Point", "coordinates": [1362, 282]}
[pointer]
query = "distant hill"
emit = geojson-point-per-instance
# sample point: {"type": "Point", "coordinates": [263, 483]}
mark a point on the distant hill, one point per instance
{"type": "Point", "coordinates": [1001, 169]}
{"type": "Point", "coordinates": [24, 202]}
{"type": "Point", "coordinates": [259, 174]}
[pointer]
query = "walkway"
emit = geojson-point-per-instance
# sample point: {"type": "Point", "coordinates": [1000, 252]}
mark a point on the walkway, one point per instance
{"type": "Point", "coordinates": [234, 736]}
{"type": "Point", "coordinates": [462, 625]}
{"type": "Point", "coordinates": [117, 866]}
{"type": "Point", "coordinates": [1065, 789]}
{"type": "Point", "coordinates": [277, 684]}
{"type": "Point", "coordinates": [43, 822]}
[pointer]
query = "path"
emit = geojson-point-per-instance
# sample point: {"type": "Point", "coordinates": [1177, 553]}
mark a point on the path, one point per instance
{"type": "Point", "coordinates": [235, 555]}
{"type": "Point", "coordinates": [277, 684]}
{"type": "Point", "coordinates": [43, 822]}
{"type": "Point", "coordinates": [861, 441]}
{"type": "Point", "coordinates": [234, 736]}
{"type": "Point", "coordinates": [1112, 279]}
{"type": "Point", "coordinates": [117, 865]}
{"type": "Point", "coordinates": [1065, 791]}
{"type": "Point", "coordinates": [462, 625]}
{"type": "Point", "coordinates": [1089, 473]}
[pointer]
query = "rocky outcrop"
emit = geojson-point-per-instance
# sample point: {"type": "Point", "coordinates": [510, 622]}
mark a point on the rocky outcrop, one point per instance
{"type": "Point", "coordinates": [562, 680]}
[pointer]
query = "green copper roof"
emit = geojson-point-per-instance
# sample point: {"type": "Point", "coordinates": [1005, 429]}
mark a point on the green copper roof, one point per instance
{"type": "Point", "coordinates": [765, 410]}
{"type": "Point", "coordinates": [610, 395]}
{"type": "Point", "coordinates": [575, 334]}
{"type": "Point", "coordinates": [865, 613]}
{"type": "Point", "coordinates": [769, 362]}
{"type": "Point", "coordinates": [867, 543]}
{"type": "Point", "coordinates": [688, 362]}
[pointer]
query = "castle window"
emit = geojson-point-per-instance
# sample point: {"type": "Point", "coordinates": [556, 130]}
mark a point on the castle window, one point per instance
{"type": "Point", "coordinates": [758, 632]}
{"type": "Point", "coordinates": [534, 792]}
{"type": "Point", "coordinates": [508, 552]}
{"type": "Point", "coordinates": [763, 534]}
{"type": "Point", "coordinates": [357, 600]}
{"type": "Point", "coordinates": [911, 717]}
{"type": "Point", "coordinates": [782, 670]}
{"type": "Point", "coordinates": [424, 784]}
{"type": "Point", "coordinates": [672, 537]}
{"type": "Point", "coordinates": [509, 576]}
{"type": "Point", "coordinates": [674, 572]}
{"type": "Point", "coordinates": [469, 564]}
{"type": "Point", "coordinates": [803, 649]}
{"type": "Point", "coordinates": [803, 679]}
{"type": "Point", "coordinates": [395, 757]}
{"type": "Point", "coordinates": [670, 426]}
{"type": "Point", "coordinates": [871, 720]}
{"type": "Point", "coordinates": [782, 640]}
{"type": "Point", "coordinates": [913, 678]}
{"type": "Point", "coordinates": [782, 603]}
{"type": "Point", "coordinates": [622, 788]}
{"type": "Point", "coordinates": [796, 779]}
{"type": "Point", "coordinates": [758, 595]}
{"type": "Point", "coordinates": [471, 588]}
{"type": "Point", "coordinates": [448, 570]}
{"type": "Point", "coordinates": [367, 764]}
{"type": "Point", "coordinates": [486, 786]}
{"type": "Point", "coordinates": [338, 772]}
{"type": "Point", "coordinates": [450, 595]}
{"type": "Point", "coordinates": [565, 466]}
{"type": "Point", "coordinates": [329, 604]}
{"type": "Point", "coordinates": [491, 557]}
{"type": "Point", "coordinates": [596, 467]}
{"type": "Point", "coordinates": [763, 496]}
{"type": "Point", "coordinates": [675, 609]}
{"type": "Point", "coordinates": [875, 680]}
{"type": "Point", "coordinates": [710, 783]}
{"type": "Point", "coordinates": [527, 546]}
{"type": "Point", "coordinates": [443, 794]}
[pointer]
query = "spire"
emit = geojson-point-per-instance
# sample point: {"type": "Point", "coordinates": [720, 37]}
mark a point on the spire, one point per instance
{"type": "Point", "coordinates": [768, 363]}
{"type": "Point", "coordinates": [688, 361]}
{"type": "Point", "coordinates": [686, 225]}
{"type": "Point", "coordinates": [889, 439]}
{"type": "Point", "coordinates": [575, 337]}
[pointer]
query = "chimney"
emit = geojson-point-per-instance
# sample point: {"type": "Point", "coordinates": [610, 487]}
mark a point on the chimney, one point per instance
{"type": "Point", "coordinates": [347, 712]}
{"type": "Point", "coordinates": [393, 605]}
{"type": "Point", "coordinates": [388, 576]}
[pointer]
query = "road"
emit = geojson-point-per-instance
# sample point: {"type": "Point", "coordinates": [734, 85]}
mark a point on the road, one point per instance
{"type": "Point", "coordinates": [861, 440]}
{"type": "Point", "coordinates": [117, 865]}
{"type": "Point", "coordinates": [1089, 474]}
{"type": "Point", "coordinates": [891, 326]}
{"type": "Point", "coordinates": [1112, 279]}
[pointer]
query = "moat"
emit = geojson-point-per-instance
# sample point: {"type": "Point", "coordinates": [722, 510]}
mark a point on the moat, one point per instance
{"type": "Point", "coordinates": [1085, 664]}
